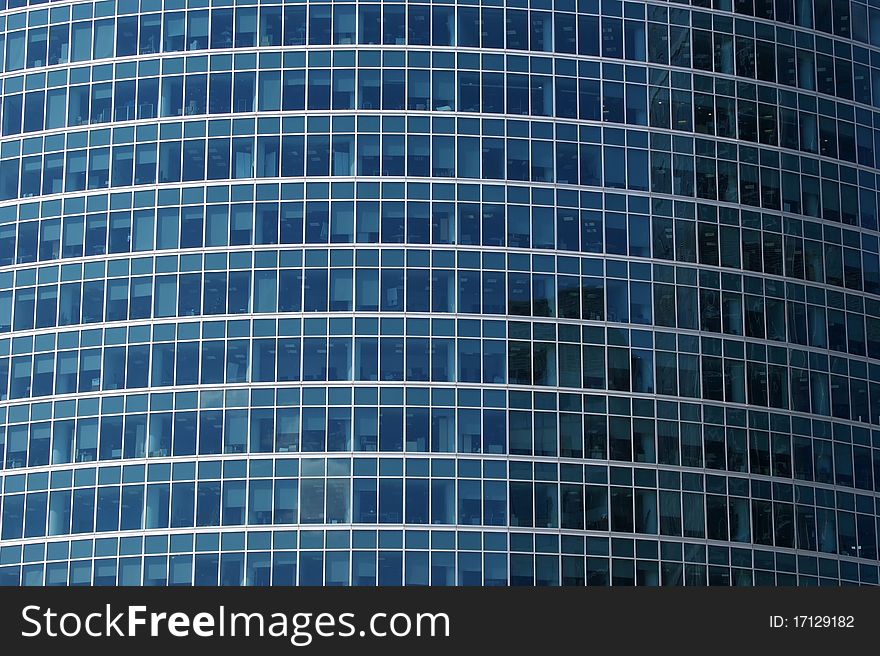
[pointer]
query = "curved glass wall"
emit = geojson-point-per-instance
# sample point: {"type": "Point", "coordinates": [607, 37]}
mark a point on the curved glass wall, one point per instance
{"type": "Point", "coordinates": [528, 293]}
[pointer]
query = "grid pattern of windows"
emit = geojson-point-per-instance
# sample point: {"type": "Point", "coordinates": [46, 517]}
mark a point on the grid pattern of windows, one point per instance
{"type": "Point", "coordinates": [511, 292]}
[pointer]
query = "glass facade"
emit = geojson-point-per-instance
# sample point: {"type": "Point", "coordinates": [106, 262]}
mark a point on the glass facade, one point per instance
{"type": "Point", "coordinates": [527, 292]}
